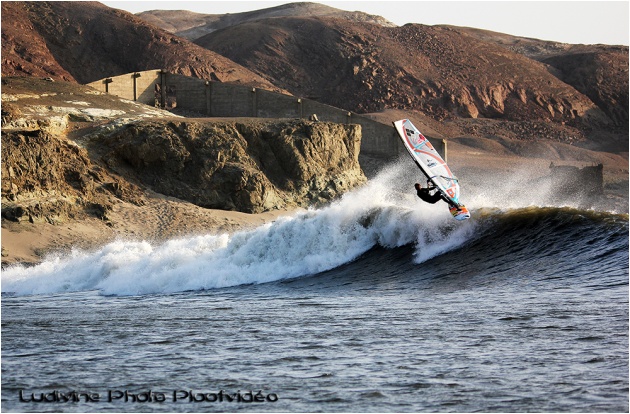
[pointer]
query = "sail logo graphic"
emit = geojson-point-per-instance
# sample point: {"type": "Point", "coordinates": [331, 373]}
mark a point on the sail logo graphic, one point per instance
{"type": "Point", "coordinates": [416, 139]}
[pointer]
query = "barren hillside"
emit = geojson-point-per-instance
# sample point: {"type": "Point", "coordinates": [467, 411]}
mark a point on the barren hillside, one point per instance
{"type": "Point", "coordinates": [435, 70]}
{"type": "Point", "coordinates": [87, 41]}
{"type": "Point", "coordinates": [598, 71]}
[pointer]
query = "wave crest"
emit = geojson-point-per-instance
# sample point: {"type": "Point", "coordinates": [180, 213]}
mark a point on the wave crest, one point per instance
{"type": "Point", "coordinates": [305, 243]}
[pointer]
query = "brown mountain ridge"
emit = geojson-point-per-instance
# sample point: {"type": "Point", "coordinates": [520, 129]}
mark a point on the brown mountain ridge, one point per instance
{"type": "Point", "coordinates": [598, 71]}
{"type": "Point", "coordinates": [442, 71]}
{"type": "Point", "coordinates": [436, 70]}
{"type": "Point", "coordinates": [195, 25]}
{"type": "Point", "coordinates": [87, 41]}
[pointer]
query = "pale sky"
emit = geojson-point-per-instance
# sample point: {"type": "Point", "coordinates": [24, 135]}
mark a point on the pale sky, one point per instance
{"type": "Point", "coordinates": [587, 22]}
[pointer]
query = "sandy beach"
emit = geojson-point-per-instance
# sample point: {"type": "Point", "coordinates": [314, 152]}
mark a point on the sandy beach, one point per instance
{"type": "Point", "coordinates": [160, 219]}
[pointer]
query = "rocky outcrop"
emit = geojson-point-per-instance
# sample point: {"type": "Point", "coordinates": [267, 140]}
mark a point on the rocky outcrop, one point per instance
{"type": "Point", "coordinates": [246, 166]}
{"type": "Point", "coordinates": [602, 75]}
{"type": "Point", "coordinates": [46, 178]}
{"type": "Point", "coordinates": [89, 159]}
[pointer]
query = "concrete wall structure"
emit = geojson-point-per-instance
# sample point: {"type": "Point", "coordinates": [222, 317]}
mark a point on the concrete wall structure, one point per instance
{"type": "Point", "coordinates": [217, 99]}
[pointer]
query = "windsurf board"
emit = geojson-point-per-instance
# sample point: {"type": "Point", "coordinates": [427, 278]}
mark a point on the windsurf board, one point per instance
{"type": "Point", "coordinates": [432, 166]}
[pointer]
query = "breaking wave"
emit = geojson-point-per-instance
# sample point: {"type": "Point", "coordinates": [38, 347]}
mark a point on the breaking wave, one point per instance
{"type": "Point", "coordinates": [384, 213]}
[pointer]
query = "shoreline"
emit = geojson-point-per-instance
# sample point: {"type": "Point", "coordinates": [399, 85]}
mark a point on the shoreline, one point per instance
{"type": "Point", "coordinates": [164, 218]}
{"type": "Point", "coordinates": [161, 219]}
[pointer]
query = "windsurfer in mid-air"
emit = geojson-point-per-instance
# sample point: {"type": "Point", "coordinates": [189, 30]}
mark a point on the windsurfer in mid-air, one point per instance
{"type": "Point", "coordinates": [425, 194]}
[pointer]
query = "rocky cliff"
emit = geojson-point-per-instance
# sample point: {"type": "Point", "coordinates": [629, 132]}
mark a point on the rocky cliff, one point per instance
{"type": "Point", "coordinates": [47, 178]}
{"type": "Point", "coordinates": [91, 159]}
{"type": "Point", "coordinates": [249, 166]}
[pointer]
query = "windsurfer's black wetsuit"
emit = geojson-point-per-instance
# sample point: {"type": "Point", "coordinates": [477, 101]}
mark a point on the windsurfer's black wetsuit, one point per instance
{"type": "Point", "coordinates": [425, 195]}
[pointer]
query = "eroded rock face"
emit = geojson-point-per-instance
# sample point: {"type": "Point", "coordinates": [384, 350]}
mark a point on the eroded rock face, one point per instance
{"type": "Point", "coordinates": [249, 167]}
{"type": "Point", "coordinates": [66, 152]}
{"type": "Point", "coordinates": [46, 178]}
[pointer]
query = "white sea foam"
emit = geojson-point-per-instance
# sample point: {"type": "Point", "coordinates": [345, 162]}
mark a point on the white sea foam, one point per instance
{"type": "Point", "coordinates": [384, 212]}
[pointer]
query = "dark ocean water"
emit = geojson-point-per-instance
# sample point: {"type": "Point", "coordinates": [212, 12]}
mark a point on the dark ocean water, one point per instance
{"type": "Point", "coordinates": [376, 303]}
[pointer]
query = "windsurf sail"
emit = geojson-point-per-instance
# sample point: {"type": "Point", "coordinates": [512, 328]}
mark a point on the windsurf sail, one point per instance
{"type": "Point", "coordinates": [432, 166]}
